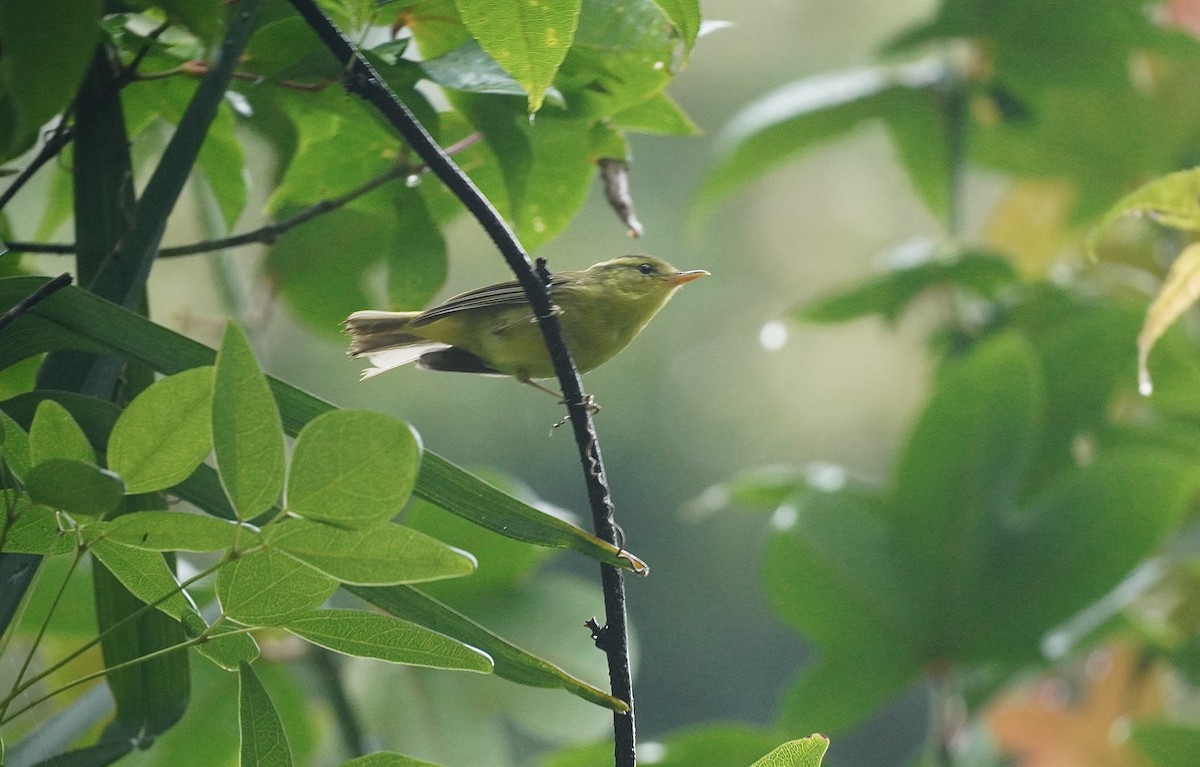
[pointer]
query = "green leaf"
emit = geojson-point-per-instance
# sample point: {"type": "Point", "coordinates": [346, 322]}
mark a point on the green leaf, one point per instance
{"type": "Point", "coordinates": [659, 115]}
{"type": "Point", "coordinates": [15, 447]}
{"type": "Point", "coordinates": [383, 637]}
{"type": "Point", "coordinates": [228, 650]}
{"type": "Point", "coordinates": [706, 745]}
{"type": "Point", "coordinates": [959, 477]}
{"type": "Point", "coordinates": [173, 531]}
{"type": "Point", "coordinates": [75, 319]}
{"type": "Point", "coordinates": [1167, 744]}
{"type": "Point", "coordinates": [74, 487]}
{"type": "Point", "coordinates": [623, 54]}
{"type": "Point", "coordinates": [54, 434]}
{"type": "Point", "coordinates": [145, 575]}
{"type": "Point", "coordinates": [34, 529]}
{"type": "Point", "coordinates": [1083, 535]}
{"type": "Point", "coordinates": [511, 662]}
{"type": "Point", "coordinates": [30, 37]}
{"type": "Point", "coordinates": [805, 752]}
{"type": "Point", "coordinates": [920, 268]}
{"type": "Point", "coordinates": [469, 69]}
{"type": "Point", "coordinates": [684, 15]}
{"type": "Point", "coordinates": [387, 759]}
{"type": "Point", "coordinates": [264, 742]}
{"type": "Point", "coordinates": [1173, 200]}
{"type": "Point", "coordinates": [379, 555]}
{"type": "Point", "coordinates": [165, 433]}
{"type": "Point", "coordinates": [267, 587]}
{"type": "Point", "coordinates": [527, 37]}
{"type": "Point", "coordinates": [798, 116]}
{"type": "Point", "coordinates": [352, 468]}
{"type": "Point", "coordinates": [247, 436]}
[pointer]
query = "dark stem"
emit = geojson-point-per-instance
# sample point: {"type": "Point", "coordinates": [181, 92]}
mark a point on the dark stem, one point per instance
{"type": "Point", "coordinates": [330, 677]}
{"type": "Point", "coordinates": [362, 80]}
{"type": "Point", "coordinates": [33, 299]}
{"type": "Point", "coordinates": [59, 138]}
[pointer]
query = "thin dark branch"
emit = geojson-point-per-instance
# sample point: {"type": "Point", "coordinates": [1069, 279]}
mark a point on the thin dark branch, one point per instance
{"type": "Point", "coordinates": [362, 80]}
{"type": "Point", "coordinates": [33, 299]}
{"type": "Point", "coordinates": [271, 232]}
{"type": "Point", "coordinates": [58, 140]}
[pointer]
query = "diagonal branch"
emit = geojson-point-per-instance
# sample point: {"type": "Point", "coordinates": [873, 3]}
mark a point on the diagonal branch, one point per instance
{"type": "Point", "coordinates": [362, 80]}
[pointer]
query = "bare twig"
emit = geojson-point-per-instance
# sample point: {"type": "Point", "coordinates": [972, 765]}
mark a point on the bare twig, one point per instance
{"type": "Point", "coordinates": [362, 80]}
{"type": "Point", "coordinates": [33, 299]}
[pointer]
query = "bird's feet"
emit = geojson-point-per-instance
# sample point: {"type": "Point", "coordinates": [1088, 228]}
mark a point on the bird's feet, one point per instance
{"type": "Point", "coordinates": [589, 402]}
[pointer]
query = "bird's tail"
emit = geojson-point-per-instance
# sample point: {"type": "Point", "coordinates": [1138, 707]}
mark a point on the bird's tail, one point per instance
{"type": "Point", "coordinates": [383, 338]}
{"type": "Point", "coordinates": [372, 331]}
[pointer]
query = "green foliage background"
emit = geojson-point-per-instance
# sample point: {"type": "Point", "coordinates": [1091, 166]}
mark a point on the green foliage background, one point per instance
{"type": "Point", "coordinates": [953, 479]}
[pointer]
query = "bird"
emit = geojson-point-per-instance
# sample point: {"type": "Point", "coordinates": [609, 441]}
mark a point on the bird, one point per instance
{"type": "Point", "coordinates": [492, 330]}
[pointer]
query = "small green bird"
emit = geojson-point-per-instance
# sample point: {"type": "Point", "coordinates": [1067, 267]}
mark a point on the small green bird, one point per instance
{"type": "Point", "coordinates": [492, 330]}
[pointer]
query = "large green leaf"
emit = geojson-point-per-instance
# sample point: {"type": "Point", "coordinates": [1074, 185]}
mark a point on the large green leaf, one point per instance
{"type": "Point", "coordinates": [352, 468]}
{"type": "Point", "coordinates": [246, 431]}
{"type": "Point", "coordinates": [379, 555]}
{"type": "Point", "coordinates": [802, 114]}
{"type": "Point", "coordinates": [173, 531]}
{"type": "Point", "coordinates": [890, 294]}
{"type": "Point", "coordinates": [528, 38]}
{"type": "Point", "coordinates": [959, 477]}
{"type": "Point", "coordinates": [74, 487]}
{"type": "Point", "coordinates": [30, 529]}
{"type": "Point", "coordinates": [383, 637]}
{"type": "Point", "coordinates": [30, 91]}
{"type": "Point", "coordinates": [75, 319]}
{"type": "Point", "coordinates": [1173, 200]}
{"type": "Point", "coordinates": [267, 587]}
{"type": "Point", "coordinates": [512, 663]}
{"type": "Point", "coordinates": [15, 447]}
{"type": "Point", "coordinates": [387, 759]}
{"type": "Point", "coordinates": [264, 742]}
{"type": "Point", "coordinates": [146, 576]}
{"type": "Point", "coordinates": [804, 752]}
{"type": "Point", "coordinates": [54, 434]}
{"type": "Point", "coordinates": [165, 433]}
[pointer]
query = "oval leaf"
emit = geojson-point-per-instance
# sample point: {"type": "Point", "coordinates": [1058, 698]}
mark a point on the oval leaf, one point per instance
{"type": "Point", "coordinates": [246, 430]}
{"type": "Point", "coordinates": [74, 487]}
{"type": "Point", "coordinates": [383, 637]}
{"type": "Point", "coordinates": [55, 434]}
{"type": "Point", "coordinates": [165, 432]}
{"type": "Point", "coordinates": [1173, 200]}
{"type": "Point", "coordinates": [387, 759]}
{"type": "Point", "coordinates": [805, 752]}
{"type": "Point", "coordinates": [267, 587]}
{"type": "Point", "coordinates": [353, 468]}
{"type": "Point", "coordinates": [174, 531]}
{"type": "Point", "coordinates": [1177, 294]}
{"type": "Point", "coordinates": [528, 38]}
{"type": "Point", "coordinates": [33, 529]}
{"type": "Point", "coordinates": [146, 575]}
{"type": "Point", "coordinates": [264, 743]}
{"type": "Point", "coordinates": [379, 555]}
{"type": "Point", "coordinates": [15, 447]}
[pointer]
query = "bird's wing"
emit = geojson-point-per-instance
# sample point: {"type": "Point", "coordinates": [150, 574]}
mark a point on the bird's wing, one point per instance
{"type": "Point", "coordinates": [500, 294]}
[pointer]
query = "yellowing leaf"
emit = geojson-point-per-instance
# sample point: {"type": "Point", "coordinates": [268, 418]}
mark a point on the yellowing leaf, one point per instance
{"type": "Point", "coordinates": [1179, 291]}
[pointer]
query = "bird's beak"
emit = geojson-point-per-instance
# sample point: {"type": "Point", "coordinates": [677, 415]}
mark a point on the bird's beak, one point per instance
{"type": "Point", "coordinates": [681, 278]}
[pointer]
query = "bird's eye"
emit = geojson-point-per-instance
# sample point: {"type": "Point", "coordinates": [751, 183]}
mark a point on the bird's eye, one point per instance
{"type": "Point", "coordinates": [646, 269]}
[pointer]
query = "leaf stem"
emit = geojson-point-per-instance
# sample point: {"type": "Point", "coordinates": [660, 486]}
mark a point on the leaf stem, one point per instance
{"type": "Point", "coordinates": [362, 80]}
{"type": "Point", "coordinates": [127, 664]}
{"type": "Point", "coordinates": [41, 633]}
